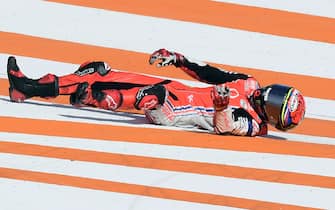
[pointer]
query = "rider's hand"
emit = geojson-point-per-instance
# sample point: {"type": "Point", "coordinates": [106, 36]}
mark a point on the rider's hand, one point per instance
{"type": "Point", "coordinates": [220, 95]}
{"type": "Point", "coordinates": [82, 95]}
{"type": "Point", "coordinates": [166, 58]}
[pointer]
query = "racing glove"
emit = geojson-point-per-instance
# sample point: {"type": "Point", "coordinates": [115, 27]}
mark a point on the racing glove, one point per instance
{"type": "Point", "coordinates": [220, 95]}
{"type": "Point", "coordinates": [223, 118]}
{"type": "Point", "coordinates": [166, 58]}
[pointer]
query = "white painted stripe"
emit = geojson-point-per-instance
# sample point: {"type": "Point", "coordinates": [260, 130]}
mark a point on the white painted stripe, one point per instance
{"type": "Point", "coordinates": [320, 8]}
{"type": "Point", "coordinates": [35, 68]}
{"type": "Point", "coordinates": [320, 108]}
{"type": "Point", "coordinates": [19, 195]}
{"type": "Point", "coordinates": [104, 28]}
{"type": "Point", "coordinates": [289, 163]}
{"type": "Point", "coordinates": [294, 194]}
{"type": "Point", "coordinates": [299, 137]}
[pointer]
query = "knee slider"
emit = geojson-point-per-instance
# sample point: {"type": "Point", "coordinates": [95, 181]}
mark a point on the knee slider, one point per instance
{"type": "Point", "coordinates": [150, 97]}
{"type": "Point", "coordinates": [91, 67]}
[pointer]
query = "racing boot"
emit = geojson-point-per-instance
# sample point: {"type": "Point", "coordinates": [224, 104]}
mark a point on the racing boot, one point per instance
{"type": "Point", "coordinates": [22, 87]}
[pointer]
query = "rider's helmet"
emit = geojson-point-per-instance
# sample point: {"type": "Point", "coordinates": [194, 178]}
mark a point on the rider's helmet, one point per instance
{"type": "Point", "coordinates": [280, 105]}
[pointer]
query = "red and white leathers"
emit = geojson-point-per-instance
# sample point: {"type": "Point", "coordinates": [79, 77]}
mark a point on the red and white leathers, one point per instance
{"type": "Point", "coordinates": [175, 105]}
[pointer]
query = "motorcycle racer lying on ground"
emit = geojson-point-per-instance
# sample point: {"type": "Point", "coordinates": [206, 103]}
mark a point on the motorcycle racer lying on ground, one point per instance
{"type": "Point", "coordinates": [233, 104]}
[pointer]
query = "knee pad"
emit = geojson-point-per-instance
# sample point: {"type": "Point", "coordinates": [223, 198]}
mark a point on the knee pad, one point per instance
{"type": "Point", "coordinates": [104, 99]}
{"type": "Point", "coordinates": [108, 99]}
{"type": "Point", "coordinates": [150, 97]}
